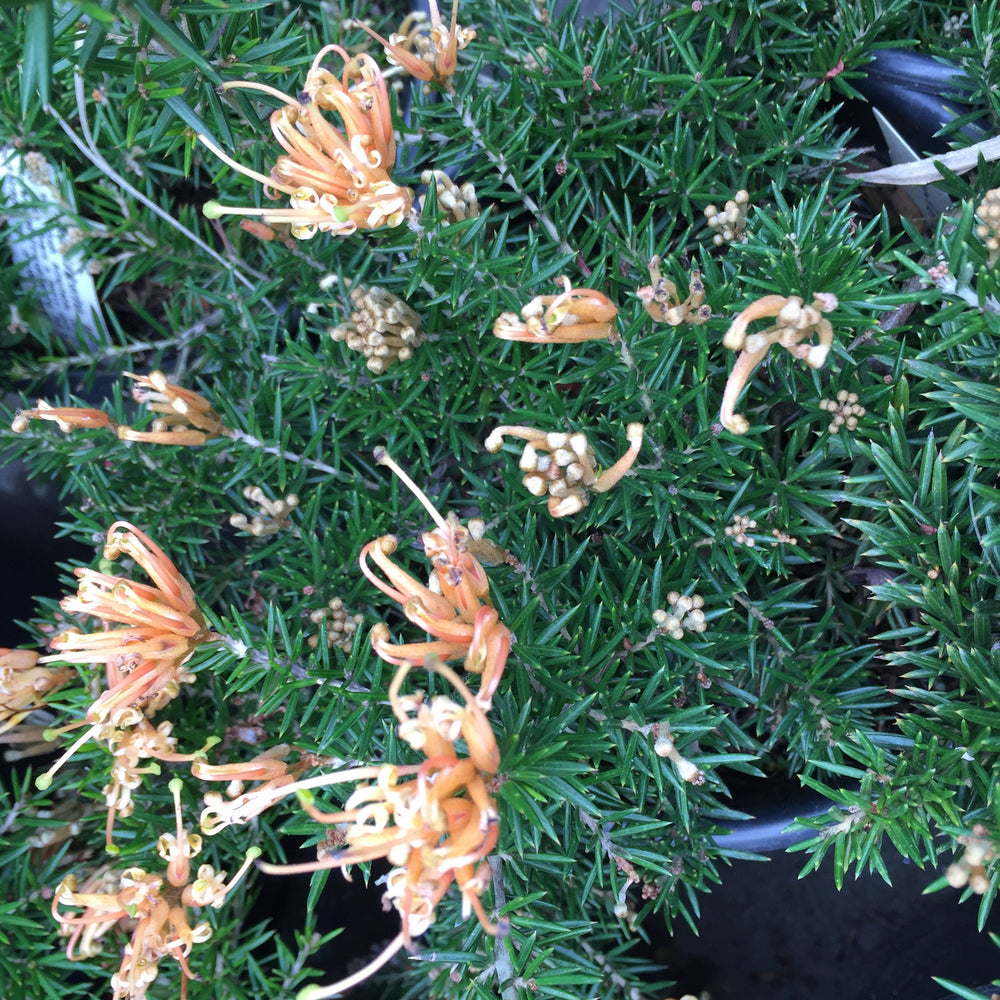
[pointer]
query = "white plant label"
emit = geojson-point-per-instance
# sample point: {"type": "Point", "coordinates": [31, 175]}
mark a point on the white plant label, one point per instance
{"type": "Point", "coordinates": [39, 233]}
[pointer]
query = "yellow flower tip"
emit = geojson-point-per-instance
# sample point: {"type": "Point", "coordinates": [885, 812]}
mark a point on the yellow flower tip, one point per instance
{"type": "Point", "coordinates": [309, 993]}
{"type": "Point", "coordinates": [305, 797]}
{"type": "Point", "coordinates": [112, 849]}
{"type": "Point", "coordinates": [254, 853]}
{"type": "Point", "coordinates": [44, 781]}
{"type": "Point", "coordinates": [634, 434]}
{"type": "Point", "coordinates": [175, 785]}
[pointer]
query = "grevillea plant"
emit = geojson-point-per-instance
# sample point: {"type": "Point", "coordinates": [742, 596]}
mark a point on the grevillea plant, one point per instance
{"type": "Point", "coordinates": [343, 254]}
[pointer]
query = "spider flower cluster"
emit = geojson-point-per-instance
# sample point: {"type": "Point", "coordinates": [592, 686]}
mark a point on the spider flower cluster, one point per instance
{"type": "Point", "coordinates": [158, 908]}
{"type": "Point", "coordinates": [794, 323]}
{"type": "Point", "coordinates": [337, 180]}
{"type": "Point", "coordinates": [184, 416]}
{"type": "Point", "coordinates": [572, 316]}
{"type": "Point", "coordinates": [429, 55]}
{"type": "Point", "coordinates": [25, 685]}
{"type": "Point", "coordinates": [159, 627]}
{"type": "Point", "coordinates": [663, 303]}
{"type": "Point", "coordinates": [562, 465]}
{"type": "Point", "coordinates": [434, 822]}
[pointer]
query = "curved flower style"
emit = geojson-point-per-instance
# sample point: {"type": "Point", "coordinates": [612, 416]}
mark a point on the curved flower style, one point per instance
{"type": "Point", "coordinates": [457, 613]}
{"type": "Point", "coordinates": [272, 772]}
{"type": "Point", "coordinates": [562, 465]}
{"type": "Point", "coordinates": [337, 181]}
{"type": "Point", "coordinates": [158, 903]}
{"type": "Point", "coordinates": [143, 660]}
{"type": "Point", "coordinates": [795, 322]}
{"type": "Point", "coordinates": [435, 828]}
{"type": "Point", "coordinates": [432, 56]}
{"type": "Point", "coordinates": [575, 315]}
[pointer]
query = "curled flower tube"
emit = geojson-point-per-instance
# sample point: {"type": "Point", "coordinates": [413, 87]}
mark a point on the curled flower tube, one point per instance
{"type": "Point", "coordinates": [563, 465]}
{"type": "Point", "coordinates": [794, 323]}
{"type": "Point", "coordinates": [575, 315]}
{"type": "Point", "coordinates": [456, 610]}
{"type": "Point", "coordinates": [337, 180]}
{"type": "Point", "coordinates": [144, 659]}
{"type": "Point", "coordinates": [429, 57]}
{"type": "Point", "coordinates": [67, 418]}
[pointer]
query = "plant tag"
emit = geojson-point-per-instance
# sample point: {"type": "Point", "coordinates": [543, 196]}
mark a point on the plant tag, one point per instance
{"type": "Point", "coordinates": [38, 234]}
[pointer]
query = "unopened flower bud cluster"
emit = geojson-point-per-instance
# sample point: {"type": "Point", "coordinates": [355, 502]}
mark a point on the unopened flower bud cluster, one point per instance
{"type": "Point", "coordinates": [338, 626]}
{"type": "Point", "coordinates": [459, 203]}
{"type": "Point", "coordinates": [970, 868]}
{"type": "Point", "coordinates": [684, 613]}
{"type": "Point", "coordinates": [382, 327]}
{"type": "Point", "coordinates": [273, 516]}
{"type": "Point", "coordinates": [739, 530]}
{"type": "Point", "coordinates": [845, 411]}
{"type": "Point", "coordinates": [988, 229]}
{"type": "Point", "coordinates": [730, 223]}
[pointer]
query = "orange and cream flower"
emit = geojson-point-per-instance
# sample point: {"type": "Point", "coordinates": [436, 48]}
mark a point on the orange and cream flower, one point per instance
{"type": "Point", "coordinates": [435, 822]}
{"type": "Point", "coordinates": [428, 55]}
{"type": "Point", "coordinates": [161, 627]}
{"type": "Point", "coordinates": [25, 686]}
{"type": "Point", "coordinates": [337, 180]}
{"type": "Point", "coordinates": [794, 323]}
{"type": "Point", "coordinates": [159, 905]}
{"type": "Point", "coordinates": [457, 610]}
{"type": "Point", "coordinates": [562, 465]}
{"type": "Point", "coordinates": [575, 315]}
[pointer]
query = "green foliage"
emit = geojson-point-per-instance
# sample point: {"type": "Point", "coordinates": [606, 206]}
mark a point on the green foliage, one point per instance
{"type": "Point", "coordinates": [853, 644]}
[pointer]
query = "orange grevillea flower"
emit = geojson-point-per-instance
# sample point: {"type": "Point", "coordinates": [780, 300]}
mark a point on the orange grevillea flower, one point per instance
{"type": "Point", "coordinates": [576, 314]}
{"type": "Point", "coordinates": [794, 322]}
{"type": "Point", "coordinates": [456, 611]}
{"type": "Point", "coordinates": [435, 822]}
{"type": "Point", "coordinates": [563, 465]}
{"type": "Point", "coordinates": [337, 180]}
{"type": "Point", "coordinates": [161, 627]}
{"type": "Point", "coordinates": [25, 686]}
{"type": "Point", "coordinates": [427, 55]}
{"type": "Point", "coordinates": [159, 905]}
{"type": "Point", "coordinates": [186, 418]}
